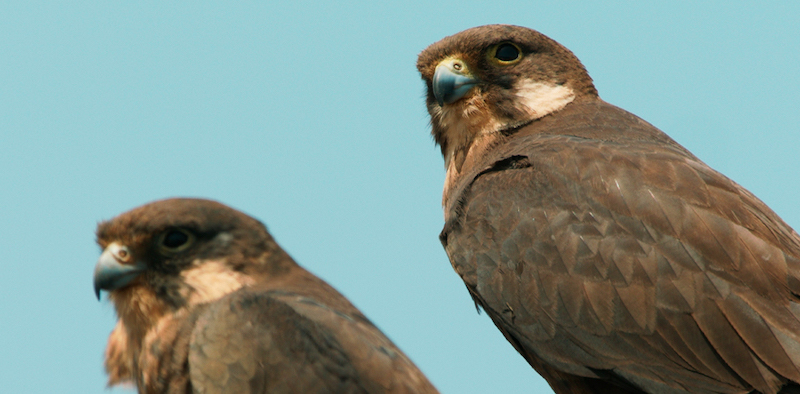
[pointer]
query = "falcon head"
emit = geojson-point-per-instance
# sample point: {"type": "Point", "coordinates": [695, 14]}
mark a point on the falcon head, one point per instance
{"type": "Point", "coordinates": [169, 255]}
{"type": "Point", "coordinates": [490, 80]}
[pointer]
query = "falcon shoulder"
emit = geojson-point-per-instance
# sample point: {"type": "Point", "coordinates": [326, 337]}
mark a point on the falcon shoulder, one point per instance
{"type": "Point", "coordinates": [267, 340]}
{"type": "Point", "coordinates": [261, 341]}
{"type": "Point", "coordinates": [603, 249]}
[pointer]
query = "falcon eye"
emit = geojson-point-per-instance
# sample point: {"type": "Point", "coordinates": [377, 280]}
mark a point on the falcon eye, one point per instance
{"type": "Point", "coordinates": [507, 53]}
{"type": "Point", "coordinates": [175, 240]}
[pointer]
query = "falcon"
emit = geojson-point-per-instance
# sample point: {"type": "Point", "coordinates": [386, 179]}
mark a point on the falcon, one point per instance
{"type": "Point", "coordinates": [209, 303]}
{"type": "Point", "coordinates": [608, 255]}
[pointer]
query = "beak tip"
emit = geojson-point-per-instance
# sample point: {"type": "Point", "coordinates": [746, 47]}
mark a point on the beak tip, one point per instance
{"type": "Point", "coordinates": [110, 274]}
{"type": "Point", "coordinates": [450, 85]}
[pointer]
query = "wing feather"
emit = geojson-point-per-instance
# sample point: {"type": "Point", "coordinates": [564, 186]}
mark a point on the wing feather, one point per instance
{"type": "Point", "coordinates": [281, 342]}
{"type": "Point", "coordinates": [627, 254]}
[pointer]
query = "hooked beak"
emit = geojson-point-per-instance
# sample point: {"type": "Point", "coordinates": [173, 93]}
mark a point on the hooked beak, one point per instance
{"type": "Point", "coordinates": [452, 80]}
{"type": "Point", "coordinates": [114, 270]}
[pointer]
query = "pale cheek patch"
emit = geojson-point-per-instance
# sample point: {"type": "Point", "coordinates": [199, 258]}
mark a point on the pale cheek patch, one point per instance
{"type": "Point", "coordinates": [211, 280]}
{"type": "Point", "coordinates": [540, 99]}
{"type": "Point", "coordinates": [223, 239]}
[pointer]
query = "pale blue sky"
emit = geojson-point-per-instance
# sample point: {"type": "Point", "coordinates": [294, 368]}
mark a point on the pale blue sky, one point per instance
{"type": "Point", "coordinates": [310, 117]}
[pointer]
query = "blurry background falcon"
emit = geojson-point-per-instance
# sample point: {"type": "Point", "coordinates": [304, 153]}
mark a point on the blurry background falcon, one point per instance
{"type": "Point", "coordinates": [608, 255]}
{"type": "Point", "coordinates": [208, 302]}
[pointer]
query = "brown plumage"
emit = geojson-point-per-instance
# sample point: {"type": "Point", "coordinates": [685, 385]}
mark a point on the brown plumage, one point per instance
{"type": "Point", "coordinates": [209, 303]}
{"type": "Point", "coordinates": [608, 255]}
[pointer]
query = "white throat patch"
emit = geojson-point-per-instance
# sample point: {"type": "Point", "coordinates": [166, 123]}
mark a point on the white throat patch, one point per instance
{"type": "Point", "coordinates": [472, 123]}
{"type": "Point", "coordinates": [211, 280]}
{"type": "Point", "coordinates": [540, 99]}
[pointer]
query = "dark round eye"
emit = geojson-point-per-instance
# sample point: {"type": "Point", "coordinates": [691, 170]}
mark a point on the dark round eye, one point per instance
{"type": "Point", "coordinates": [176, 240]}
{"type": "Point", "coordinates": [506, 53]}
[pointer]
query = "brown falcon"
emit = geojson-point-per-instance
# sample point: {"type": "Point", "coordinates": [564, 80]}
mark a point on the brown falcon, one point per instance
{"type": "Point", "coordinates": [609, 256]}
{"type": "Point", "coordinates": [209, 303]}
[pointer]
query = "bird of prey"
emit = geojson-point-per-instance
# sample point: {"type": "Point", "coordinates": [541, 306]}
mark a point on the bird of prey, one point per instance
{"type": "Point", "coordinates": [209, 303]}
{"type": "Point", "coordinates": [607, 254]}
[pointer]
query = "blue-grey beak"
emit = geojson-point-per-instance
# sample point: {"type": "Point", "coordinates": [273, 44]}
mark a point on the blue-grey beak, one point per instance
{"type": "Point", "coordinates": [451, 81]}
{"type": "Point", "coordinates": [112, 271]}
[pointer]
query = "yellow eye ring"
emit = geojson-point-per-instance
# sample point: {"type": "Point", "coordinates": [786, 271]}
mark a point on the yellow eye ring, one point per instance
{"type": "Point", "coordinates": [505, 53]}
{"type": "Point", "coordinates": [175, 240]}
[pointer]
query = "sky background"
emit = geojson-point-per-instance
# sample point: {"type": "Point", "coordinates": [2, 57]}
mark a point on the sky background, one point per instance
{"type": "Point", "coordinates": [310, 117]}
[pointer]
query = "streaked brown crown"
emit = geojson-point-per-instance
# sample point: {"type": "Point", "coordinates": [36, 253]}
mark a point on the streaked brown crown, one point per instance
{"type": "Point", "coordinates": [204, 217]}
